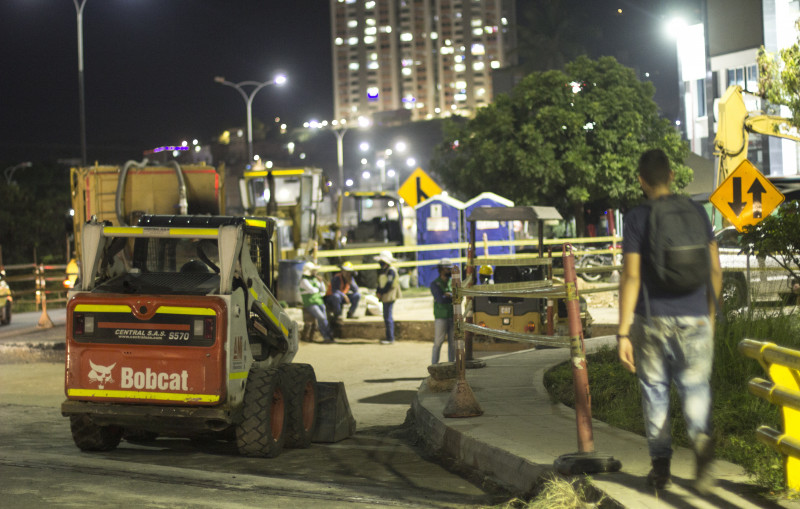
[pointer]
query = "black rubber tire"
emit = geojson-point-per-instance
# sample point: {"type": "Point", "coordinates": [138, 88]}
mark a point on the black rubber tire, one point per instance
{"type": "Point", "coordinates": [91, 437]}
{"type": "Point", "coordinates": [6, 315]}
{"type": "Point", "coordinates": [139, 436]}
{"type": "Point", "coordinates": [591, 261]}
{"type": "Point", "coordinates": [734, 292]}
{"type": "Point", "coordinates": [262, 431]}
{"type": "Point", "coordinates": [301, 404]}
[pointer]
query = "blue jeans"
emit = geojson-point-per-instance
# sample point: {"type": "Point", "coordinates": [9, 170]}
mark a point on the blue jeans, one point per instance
{"type": "Point", "coordinates": [675, 349]}
{"type": "Point", "coordinates": [336, 300]}
{"type": "Point", "coordinates": [318, 312]}
{"type": "Point", "coordinates": [443, 328]}
{"type": "Point", "coordinates": [388, 321]}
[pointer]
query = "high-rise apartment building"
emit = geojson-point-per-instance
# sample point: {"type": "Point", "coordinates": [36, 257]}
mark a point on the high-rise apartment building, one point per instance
{"type": "Point", "coordinates": [426, 58]}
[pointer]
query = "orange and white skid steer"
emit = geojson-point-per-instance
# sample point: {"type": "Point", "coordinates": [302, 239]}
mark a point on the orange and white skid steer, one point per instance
{"type": "Point", "coordinates": [173, 330]}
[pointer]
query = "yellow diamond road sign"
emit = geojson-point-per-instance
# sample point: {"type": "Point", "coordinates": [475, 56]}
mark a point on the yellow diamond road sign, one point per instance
{"type": "Point", "coordinates": [746, 197]}
{"type": "Point", "coordinates": [418, 188]}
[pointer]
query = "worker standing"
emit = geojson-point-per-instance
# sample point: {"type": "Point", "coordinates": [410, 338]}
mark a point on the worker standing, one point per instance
{"type": "Point", "coordinates": [388, 292]}
{"type": "Point", "coordinates": [442, 290]}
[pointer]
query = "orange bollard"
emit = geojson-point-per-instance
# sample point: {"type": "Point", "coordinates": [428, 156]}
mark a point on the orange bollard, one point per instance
{"type": "Point", "coordinates": [44, 320]}
{"type": "Point", "coordinates": [462, 402]}
{"type": "Point", "coordinates": [585, 461]}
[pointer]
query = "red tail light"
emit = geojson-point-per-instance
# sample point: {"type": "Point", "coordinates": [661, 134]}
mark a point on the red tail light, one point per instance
{"type": "Point", "coordinates": [78, 324]}
{"type": "Point", "coordinates": [208, 328]}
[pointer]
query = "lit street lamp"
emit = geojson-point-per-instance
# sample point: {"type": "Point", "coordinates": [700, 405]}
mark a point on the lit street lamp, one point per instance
{"type": "Point", "coordinates": [8, 173]}
{"type": "Point", "coordinates": [81, 87]}
{"type": "Point", "coordinates": [338, 128]}
{"type": "Point", "coordinates": [248, 100]}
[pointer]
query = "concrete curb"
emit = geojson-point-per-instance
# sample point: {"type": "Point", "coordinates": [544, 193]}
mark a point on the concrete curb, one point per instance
{"type": "Point", "coordinates": [521, 433]}
{"type": "Point", "coordinates": [501, 467]}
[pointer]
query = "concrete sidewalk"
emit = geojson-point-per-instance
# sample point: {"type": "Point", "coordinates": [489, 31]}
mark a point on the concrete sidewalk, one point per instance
{"type": "Point", "coordinates": [521, 433]}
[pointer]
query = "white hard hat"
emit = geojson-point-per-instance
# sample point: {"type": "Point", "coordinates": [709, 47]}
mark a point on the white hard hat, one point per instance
{"type": "Point", "coordinates": [385, 257]}
{"type": "Point", "coordinates": [309, 268]}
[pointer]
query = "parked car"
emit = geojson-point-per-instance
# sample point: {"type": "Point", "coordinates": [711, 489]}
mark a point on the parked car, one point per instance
{"type": "Point", "coordinates": [768, 280]}
{"type": "Point", "coordinates": [5, 300]}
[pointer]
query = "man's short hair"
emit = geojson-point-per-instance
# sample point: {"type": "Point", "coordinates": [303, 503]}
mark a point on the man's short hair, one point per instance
{"type": "Point", "coordinates": [654, 167]}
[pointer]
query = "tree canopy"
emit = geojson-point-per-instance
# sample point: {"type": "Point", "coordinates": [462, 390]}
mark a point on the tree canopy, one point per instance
{"type": "Point", "coordinates": [562, 138]}
{"type": "Point", "coordinates": [34, 215]}
{"type": "Point", "coordinates": [779, 76]}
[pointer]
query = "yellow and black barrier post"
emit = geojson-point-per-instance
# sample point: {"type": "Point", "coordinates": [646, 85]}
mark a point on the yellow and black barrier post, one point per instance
{"type": "Point", "coordinates": [783, 367]}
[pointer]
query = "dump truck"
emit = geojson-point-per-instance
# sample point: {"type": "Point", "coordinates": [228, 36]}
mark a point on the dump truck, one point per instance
{"type": "Point", "coordinates": [173, 330]}
{"type": "Point", "coordinates": [294, 197]}
{"type": "Point", "coordinates": [120, 194]}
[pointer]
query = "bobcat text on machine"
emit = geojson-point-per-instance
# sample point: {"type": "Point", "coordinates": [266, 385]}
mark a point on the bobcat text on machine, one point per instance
{"type": "Point", "coordinates": [182, 336]}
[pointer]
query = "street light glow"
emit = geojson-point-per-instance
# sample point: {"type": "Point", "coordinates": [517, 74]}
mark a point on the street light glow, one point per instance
{"type": "Point", "coordinates": [280, 79]}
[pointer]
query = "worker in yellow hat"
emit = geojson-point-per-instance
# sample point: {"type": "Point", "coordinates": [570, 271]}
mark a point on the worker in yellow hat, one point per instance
{"type": "Point", "coordinates": [343, 290]}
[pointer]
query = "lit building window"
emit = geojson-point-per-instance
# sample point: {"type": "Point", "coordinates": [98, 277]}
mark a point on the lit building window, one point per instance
{"type": "Point", "coordinates": [495, 64]}
{"type": "Point", "coordinates": [353, 66]}
{"type": "Point", "coordinates": [369, 5]}
{"type": "Point", "coordinates": [373, 56]}
{"type": "Point", "coordinates": [339, 41]}
{"type": "Point", "coordinates": [461, 84]}
{"type": "Point", "coordinates": [406, 37]}
{"type": "Point", "coordinates": [447, 50]}
{"type": "Point", "coordinates": [353, 23]}
{"type": "Point", "coordinates": [460, 97]}
{"type": "Point", "coordinates": [369, 39]}
{"type": "Point", "coordinates": [504, 21]}
{"type": "Point", "coordinates": [370, 22]}
{"type": "Point", "coordinates": [386, 30]}
{"type": "Point", "coordinates": [406, 71]}
{"type": "Point", "coordinates": [370, 30]}
{"type": "Point", "coordinates": [477, 66]}
{"type": "Point", "coordinates": [434, 36]}
{"type": "Point", "coordinates": [373, 65]}
{"type": "Point", "coordinates": [476, 22]}
{"type": "Point", "coordinates": [481, 91]}
{"type": "Point", "coordinates": [372, 94]}
{"type": "Point", "coordinates": [460, 67]}
{"type": "Point", "coordinates": [352, 41]}
{"type": "Point", "coordinates": [478, 49]}
{"type": "Point", "coordinates": [477, 31]}
{"type": "Point", "coordinates": [459, 58]}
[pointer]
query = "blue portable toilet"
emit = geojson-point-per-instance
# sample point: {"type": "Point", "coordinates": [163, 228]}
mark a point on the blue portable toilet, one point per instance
{"type": "Point", "coordinates": [494, 230]}
{"type": "Point", "coordinates": [438, 222]}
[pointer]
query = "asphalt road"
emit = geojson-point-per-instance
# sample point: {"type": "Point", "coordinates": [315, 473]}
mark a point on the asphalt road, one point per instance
{"type": "Point", "coordinates": [378, 467]}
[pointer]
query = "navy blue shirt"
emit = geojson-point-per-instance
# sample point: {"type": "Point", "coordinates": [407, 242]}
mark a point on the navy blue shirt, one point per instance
{"type": "Point", "coordinates": [662, 303]}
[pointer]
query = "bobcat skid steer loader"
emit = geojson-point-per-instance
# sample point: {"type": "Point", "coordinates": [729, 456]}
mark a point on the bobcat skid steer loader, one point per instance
{"type": "Point", "coordinates": [173, 330]}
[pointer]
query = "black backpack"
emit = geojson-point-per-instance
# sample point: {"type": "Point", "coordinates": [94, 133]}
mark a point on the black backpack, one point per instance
{"type": "Point", "coordinates": [677, 259]}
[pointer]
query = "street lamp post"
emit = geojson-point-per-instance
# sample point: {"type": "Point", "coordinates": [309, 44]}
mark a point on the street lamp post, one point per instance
{"type": "Point", "coordinates": [81, 87]}
{"type": "Point", "coordinates": [248, 100]}
{"type": "Point", "coordinates": [8, 173]}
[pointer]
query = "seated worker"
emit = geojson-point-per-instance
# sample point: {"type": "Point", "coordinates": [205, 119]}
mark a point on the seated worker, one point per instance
{"type": "Point", "coordinates": [343, 290]}
{"type": "Point", "coordinates": [311, 286]}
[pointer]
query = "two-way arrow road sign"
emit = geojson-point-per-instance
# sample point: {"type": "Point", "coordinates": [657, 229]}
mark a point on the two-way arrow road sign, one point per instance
{"type": "Point", "coordinates": [750, 207]}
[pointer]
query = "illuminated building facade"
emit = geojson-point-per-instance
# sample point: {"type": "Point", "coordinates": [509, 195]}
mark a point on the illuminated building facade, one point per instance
{"type": "Point", "coordinates": [417, 59]}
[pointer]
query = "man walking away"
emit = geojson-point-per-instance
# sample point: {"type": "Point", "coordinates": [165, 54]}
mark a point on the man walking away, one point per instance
{"type": "Point", "coordinates": [442, 290]}
{"type": "Point", "coordinates": [670, 285]}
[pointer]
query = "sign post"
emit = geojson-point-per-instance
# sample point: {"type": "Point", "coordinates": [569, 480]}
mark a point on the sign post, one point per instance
{"type": "Point", "coordinates": [418, 188]}
{"type": "Point", "coordinates": [746, 197]}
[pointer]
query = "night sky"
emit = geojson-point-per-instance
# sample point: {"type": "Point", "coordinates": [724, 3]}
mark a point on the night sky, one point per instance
{"type": "Point", "coordinates": [150, 67]}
